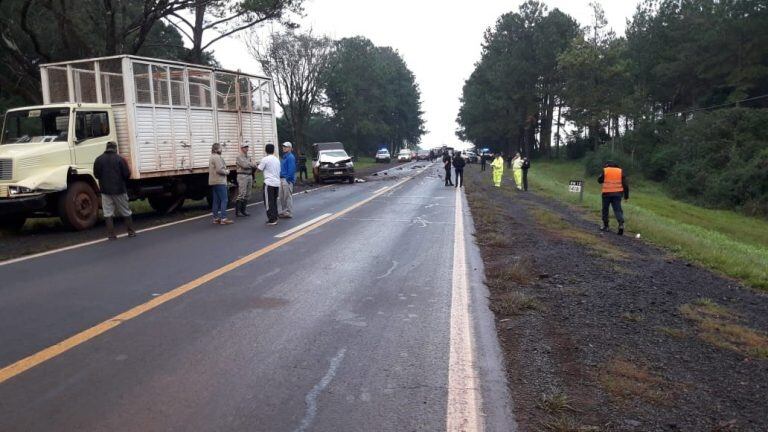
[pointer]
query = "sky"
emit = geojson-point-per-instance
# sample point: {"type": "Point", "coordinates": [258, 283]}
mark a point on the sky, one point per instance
{"type": "Point", "coordinates": [440, 42]}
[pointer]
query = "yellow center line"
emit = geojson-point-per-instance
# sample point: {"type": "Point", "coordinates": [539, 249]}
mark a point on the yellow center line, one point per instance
{"type": "Point", "coordinates": [52, 351]}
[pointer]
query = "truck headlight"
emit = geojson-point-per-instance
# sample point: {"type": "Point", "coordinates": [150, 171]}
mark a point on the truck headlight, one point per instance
{"type": "Point", "coordinates": [15, 190]}
{"type": "Point", "coordinates": [349, 164]}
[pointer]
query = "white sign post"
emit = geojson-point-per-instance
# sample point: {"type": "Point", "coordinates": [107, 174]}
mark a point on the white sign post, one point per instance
{"type": "Point", "coordinates": [577, 186]}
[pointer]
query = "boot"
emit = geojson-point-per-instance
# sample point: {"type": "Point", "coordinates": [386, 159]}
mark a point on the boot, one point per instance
{"type": "Point", "coordinates": [129, 226]}
{"type": "Point", "coordinates": [243, 208]}
{"type": "Point", "coordinates": [621, 229]}
{"type": "Point", "coordinates": [110, 228]}
{"type": "Point", "coordinates": [237, 208]}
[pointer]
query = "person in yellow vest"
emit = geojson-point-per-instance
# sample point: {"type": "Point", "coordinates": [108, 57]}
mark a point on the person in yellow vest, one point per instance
{"type": "Point", "coordinates": [497, 166]}
{"type": "Point", "coordinates": [615, 188]}
{"type": "Point", "coordinates": [517, 170]}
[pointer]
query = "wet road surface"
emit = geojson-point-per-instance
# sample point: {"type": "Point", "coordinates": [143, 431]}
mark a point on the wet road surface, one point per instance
{"type": "Point", "coordinates": [339, 319]}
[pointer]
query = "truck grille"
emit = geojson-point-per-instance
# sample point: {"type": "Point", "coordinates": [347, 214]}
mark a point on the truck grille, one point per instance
{"type": "Point", "coordinates": [3, 191]}
{"type": "Point", "coordinates": [6, 169]}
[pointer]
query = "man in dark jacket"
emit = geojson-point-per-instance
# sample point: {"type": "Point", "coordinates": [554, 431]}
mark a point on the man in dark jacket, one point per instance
{"type": "Point", "coordinates": [615, 187]}
{"type": "Point", "coordinates": [447, 166]}
{"type": "Point", "coordinates": [112, 172]}
{"type": "Point", "coordinates": [458, 166]}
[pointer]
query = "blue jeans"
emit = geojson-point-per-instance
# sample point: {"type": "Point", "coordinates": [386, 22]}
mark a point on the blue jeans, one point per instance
{"type": "Point", "coordinates": [219, 207]}
{"type": "Point", "coordinates": [613, 200]}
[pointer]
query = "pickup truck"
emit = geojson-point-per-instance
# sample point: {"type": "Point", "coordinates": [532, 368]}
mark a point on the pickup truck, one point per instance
{"type": "Point", "coordinates": [163, 115]}
{"type": "Point", "coordinates": [331, 162]}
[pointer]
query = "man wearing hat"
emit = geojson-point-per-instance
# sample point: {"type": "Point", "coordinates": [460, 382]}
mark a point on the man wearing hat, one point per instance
{"type": "Point", "coordinates": [112, 172]}
{"type": "Point", "coordinates": [287, 180]}
{"type": "Point", "coordinates": [245, 167]}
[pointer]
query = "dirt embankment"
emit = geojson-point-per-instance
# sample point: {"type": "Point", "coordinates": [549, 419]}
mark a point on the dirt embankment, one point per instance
{"type": "Point", "coordinates": [40, 235]}
{"type": "Point", "coordinates": [608, 333]}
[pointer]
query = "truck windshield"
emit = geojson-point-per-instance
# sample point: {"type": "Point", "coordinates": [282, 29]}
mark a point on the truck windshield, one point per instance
{"type": "Point", "coordinates": [37, 125]}
{"type": "Point", "coordinates": [335, 153]}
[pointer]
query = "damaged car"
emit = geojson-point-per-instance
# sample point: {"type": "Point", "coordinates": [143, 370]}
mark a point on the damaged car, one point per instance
{"type": "Point", "coordinates": [331, 162]}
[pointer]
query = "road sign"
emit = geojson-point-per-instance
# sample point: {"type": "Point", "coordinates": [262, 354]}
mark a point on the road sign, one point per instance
{"type": "Point", "coordinates": [577, 186]}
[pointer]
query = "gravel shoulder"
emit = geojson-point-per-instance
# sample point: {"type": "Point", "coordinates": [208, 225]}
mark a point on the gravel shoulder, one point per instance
{"type": "Point", "coordinates": [602, 332]}
{"type": "Point", "coordinates": [40, 235]}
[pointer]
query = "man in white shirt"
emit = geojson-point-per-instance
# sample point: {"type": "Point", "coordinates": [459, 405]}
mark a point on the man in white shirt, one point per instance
{"type": "Point", "coordinates": [270, 166]}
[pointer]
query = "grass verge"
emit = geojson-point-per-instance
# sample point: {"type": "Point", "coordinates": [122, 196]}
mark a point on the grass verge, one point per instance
{"type": "Point", "coordinates": [718, 326]}
{"type": "Point", "coordinates": [731, 243]}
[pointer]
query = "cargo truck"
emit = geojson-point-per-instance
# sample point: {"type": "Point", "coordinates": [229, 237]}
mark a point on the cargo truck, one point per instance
{"type": "Point", "coordinates": [163, 115]}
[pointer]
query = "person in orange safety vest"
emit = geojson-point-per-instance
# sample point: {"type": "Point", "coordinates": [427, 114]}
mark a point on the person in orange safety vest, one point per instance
{"type": "Point", "coordinates": [614, 188]}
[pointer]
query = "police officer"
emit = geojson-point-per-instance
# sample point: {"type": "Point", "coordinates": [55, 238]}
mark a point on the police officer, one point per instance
{"type": "Point", "coordinates": [614, 188]}
{"type": "Point", "coordinates": [245, 167]}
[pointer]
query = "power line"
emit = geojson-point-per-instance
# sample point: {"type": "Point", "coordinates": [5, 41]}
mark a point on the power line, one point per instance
{"type": "Point", "coordinates": [717, 106]}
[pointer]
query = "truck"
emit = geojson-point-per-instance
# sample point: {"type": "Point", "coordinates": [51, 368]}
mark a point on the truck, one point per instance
{"type": "Point", "coordinates": [331, 162]}
{"type": "Point", "coordinates": [163, 115]}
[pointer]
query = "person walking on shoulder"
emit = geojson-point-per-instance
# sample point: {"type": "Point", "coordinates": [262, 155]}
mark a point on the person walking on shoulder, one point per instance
{"type": "Point", "coordinates": [483, 161]}
{"type": "Point", "coordinates": [217, 180]}
{"type": "Point", "coordinates": [245, 167]}
{"type": "Point", "coordinates": [615, 187]}
{"type": "Point", "coordinates": [112, 172]}
{"type": "Point", "coordinates": [287, 180]}
{"type": "Point", "coordinates": [458, 166]}
{"type": "Point", "coordinates": [497, 167]}
{"type": "Point", "coordinates": [270, 165]}
{"type": "Point", "coordinates": [447, 167]}
{"type": "Point", "coordinates": [517, 170]}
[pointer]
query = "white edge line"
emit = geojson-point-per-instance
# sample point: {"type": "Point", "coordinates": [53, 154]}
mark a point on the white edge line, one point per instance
{"type": "Point", "coordinates": [302, 226]}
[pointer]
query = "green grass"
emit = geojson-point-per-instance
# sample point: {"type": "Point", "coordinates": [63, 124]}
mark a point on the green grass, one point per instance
{"type": "Point", "coordinates": [726, 241]}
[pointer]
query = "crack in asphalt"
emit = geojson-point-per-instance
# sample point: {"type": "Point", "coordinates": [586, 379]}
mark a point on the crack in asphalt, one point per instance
{"type": "Point", "coordinates": [311, 398]}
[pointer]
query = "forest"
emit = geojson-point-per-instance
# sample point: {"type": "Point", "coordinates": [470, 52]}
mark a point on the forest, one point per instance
{"type": "Point", "coordinates": [680, 98]}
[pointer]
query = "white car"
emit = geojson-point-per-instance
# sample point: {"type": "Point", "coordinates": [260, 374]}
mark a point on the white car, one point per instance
{"type": "Point", "coordinates": [383, 156]}
{"type": "Point", "coordinates": [405, 155]}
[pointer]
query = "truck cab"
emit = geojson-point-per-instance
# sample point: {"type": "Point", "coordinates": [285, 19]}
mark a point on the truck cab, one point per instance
{"type": "Point", "coordinates": [46, 162]}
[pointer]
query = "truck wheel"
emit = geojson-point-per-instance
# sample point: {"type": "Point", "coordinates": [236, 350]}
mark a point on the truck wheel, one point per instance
{"type": "Point", "coordinates": [165, 204]}
{"type": "Point", "coordinates": [12, 223]}
{"type": "Point", "coordinates": [79, 206]}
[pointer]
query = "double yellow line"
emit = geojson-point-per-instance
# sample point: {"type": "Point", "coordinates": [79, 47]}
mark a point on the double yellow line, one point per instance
{"type": "Point", "coordinates": [39, 357]}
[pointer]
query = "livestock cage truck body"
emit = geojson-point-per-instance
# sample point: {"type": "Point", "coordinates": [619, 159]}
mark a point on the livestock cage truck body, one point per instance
{"type": "Point", "coordinates": [163, 115]}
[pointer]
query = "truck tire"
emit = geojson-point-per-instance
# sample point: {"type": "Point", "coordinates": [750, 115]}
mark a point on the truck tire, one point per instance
{"type": "Point", "coordinates": [165, 204]}
{"type": "Point", "coordinates": [12, 223]}
{"type": "Point", "coordinates": [79, 206]}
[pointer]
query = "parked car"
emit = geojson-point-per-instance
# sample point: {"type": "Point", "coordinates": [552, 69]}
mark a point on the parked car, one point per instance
{"type": "Point", "coordinates": [383, 156]}
{"type": "Point", "coordinates": [405, 155]}
{"type": "Point", "coordinates": [422, 155]}
{"type": "Point", "coordinates": [471, 156]}
{"type": "Point", "coordinates": [331, 162]}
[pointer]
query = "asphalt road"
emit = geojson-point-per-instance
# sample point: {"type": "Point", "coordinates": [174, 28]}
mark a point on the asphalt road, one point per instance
{"type": "Point", "coordinates": [347, 324]}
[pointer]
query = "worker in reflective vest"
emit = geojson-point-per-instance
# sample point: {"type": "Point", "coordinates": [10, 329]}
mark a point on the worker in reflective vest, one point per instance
{"type": "Point", "coordinates": [615, 188]}
{"type": "Point", "coordinates": [497, 166]}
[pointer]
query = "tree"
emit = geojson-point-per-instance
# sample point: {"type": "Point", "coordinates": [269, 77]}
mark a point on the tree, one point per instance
{"type": "Point", "coordinates": [224, 18]}
{"type": "Point", "coordinates": [373, 97]}
{"type": "Point", "coordinates": [295, 62]}
{"type": "Point", "coordinates": [35, 32]}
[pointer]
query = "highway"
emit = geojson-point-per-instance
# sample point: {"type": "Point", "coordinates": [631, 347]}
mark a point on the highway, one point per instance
{"type": "Point", "coordinates": [365, 312]}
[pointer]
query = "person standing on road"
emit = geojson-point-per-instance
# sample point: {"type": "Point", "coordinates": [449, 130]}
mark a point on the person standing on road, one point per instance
{"type": "Point", "coordinates": [112, 172]}
{"type": "Point", "coordinates": [217, 180]}
{"type": "Point", "coordinates": [526, 167]}
{"type": "Point", "coordinates": [497, 166]}
{"type": "Point", "coordinates": [302, 167]}
{"type": "Point", "coordinates": [245, 167]}
{"type": "Point", "coordinates": [270, 165]}
{"type": "Point", "coordinates": [447, 167]}
{"type": "Point", "coordinates": [615, 187]}
{"type": "Point", "coordinates": [517, 170]}
{"type": "Point", "coordinates": [483, 160]}
{"type": "Point", "coordinates": [458, 166]}
{"type": "Point", "coordinates": [287, 180]}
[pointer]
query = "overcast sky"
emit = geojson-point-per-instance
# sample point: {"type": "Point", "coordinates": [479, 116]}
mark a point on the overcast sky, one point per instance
{"type": "Point", "coordinates": [439, 40]}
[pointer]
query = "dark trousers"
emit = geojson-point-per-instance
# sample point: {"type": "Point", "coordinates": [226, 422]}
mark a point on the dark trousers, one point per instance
{"type": "Point", "coordinates": [303, 172]}
{"type": "Point", "coordinates": [613, 200]}
{"type": "Point", "coordinates": [482, 164]}
{"type": "Point", "coordinates": [448, 181]}
{"type": "Point", "coordinates": [459, 177]}
{"type": "Point", "coordinates": [525, 179]}
{"type": "Point", "coordinates": [270, 201]}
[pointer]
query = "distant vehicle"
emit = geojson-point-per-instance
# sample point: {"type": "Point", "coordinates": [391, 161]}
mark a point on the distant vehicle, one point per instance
{"type": "Point", "coordinates": [405, 155]}
{"type": "Point", "coordinates": [331, 162]}
{"type": "Point", "coordinates": [422, 155]}
{"type": "Point", "coordinates": [383, 156]}
{"type": "Point", "coordinates": [471, 156]}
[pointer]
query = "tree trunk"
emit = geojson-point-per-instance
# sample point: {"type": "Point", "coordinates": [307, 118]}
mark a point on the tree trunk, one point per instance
{"type": "Point", "coordinates": [196, 53]}
{"type": "Point", "coordinates": [557, 136]}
